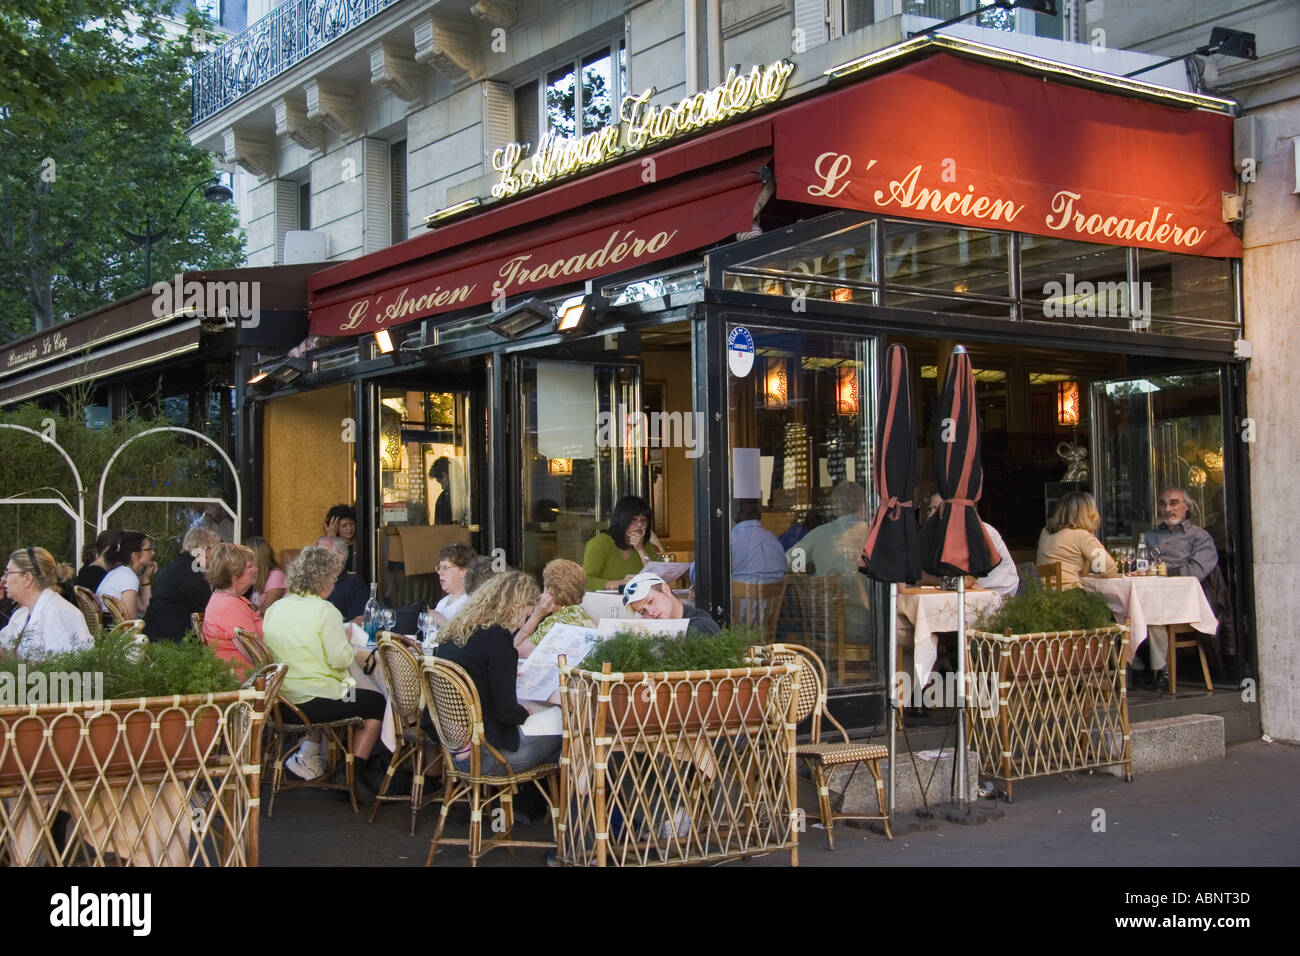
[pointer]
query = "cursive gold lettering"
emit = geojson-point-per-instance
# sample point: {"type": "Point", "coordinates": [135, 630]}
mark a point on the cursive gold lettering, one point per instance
{"type": "Point", "coordinates": [908, 195]}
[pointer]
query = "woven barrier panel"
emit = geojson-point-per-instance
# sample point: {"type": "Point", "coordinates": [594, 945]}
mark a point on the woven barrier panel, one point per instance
{"type": "Point", "coordinates": [683, 767]}
{"type": "Point", "coordinates": [162, 781]}
{"type": "Point", "coordinates": [1061, 702]}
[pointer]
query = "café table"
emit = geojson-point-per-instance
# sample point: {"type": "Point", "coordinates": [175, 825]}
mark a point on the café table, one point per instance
{"type": "Point", "coordinates": [1146, 600]}
{"type": "Point", "coordinates": [926, 612]}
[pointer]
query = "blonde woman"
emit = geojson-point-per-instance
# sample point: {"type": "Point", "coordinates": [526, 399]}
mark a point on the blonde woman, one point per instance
{"type": "Point", "coordinates": [480, 638]}
{"type": "Point", "coordinates": [1070, 537]}
{"type": "Point", "coordinates": [232, 569]}
{"type": "Point", "coordinates": [269, 586]}
{"type": "Point", "coordinates": [564, 583]}
{"type": "Point", "coordinates": [44, 623]}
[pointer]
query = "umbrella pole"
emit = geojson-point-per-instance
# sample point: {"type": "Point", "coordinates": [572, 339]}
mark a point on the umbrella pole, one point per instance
{"type": "Point", "coordinates": [893, 691]}
{"type": "Point", "coordinates": [960, 770]}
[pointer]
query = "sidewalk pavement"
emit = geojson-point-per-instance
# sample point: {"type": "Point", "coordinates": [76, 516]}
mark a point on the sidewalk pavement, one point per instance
{"type": "Point", "coordinates": [1239, 811]}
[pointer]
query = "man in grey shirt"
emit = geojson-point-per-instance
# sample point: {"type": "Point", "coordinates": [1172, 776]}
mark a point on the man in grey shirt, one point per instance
{"type": "Point", "coordinates": [1187, 550]}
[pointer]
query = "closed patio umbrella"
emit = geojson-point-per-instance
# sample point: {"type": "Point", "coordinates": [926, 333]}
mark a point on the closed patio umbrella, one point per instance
{"type": "Point", "coordinates": [891, 553]}
{"type": "Point", "coordinates": [954, 541]}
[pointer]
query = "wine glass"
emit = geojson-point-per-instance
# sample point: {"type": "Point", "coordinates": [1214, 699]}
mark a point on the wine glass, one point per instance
{"type": "Point", "coordinates": [387, 619]}
{"type": "Point", "coordinates": [428, 630]}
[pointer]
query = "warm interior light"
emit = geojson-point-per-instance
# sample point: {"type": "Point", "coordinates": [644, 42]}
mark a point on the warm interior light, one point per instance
{"type": "Point", "coordinates": [1067, 403]}
{"type": "Point", "coordinates": [776, 383]}
{"type": "Point", "coordinates": [560, 466]}
{"type": "Point", "coordinates": [841, 295]}
{"type": "Point", "coordinates": [846, 391]}
{"type": "Point", "coordinates": [384, 340]}
{"type": "Point", "coordinates": [570, 314]}
{"type": "Point", "coordinates": [257, 378]}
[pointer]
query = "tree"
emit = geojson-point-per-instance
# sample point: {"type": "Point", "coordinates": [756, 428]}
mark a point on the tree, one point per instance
{"type": "Point", "coordinates": [109, 156]}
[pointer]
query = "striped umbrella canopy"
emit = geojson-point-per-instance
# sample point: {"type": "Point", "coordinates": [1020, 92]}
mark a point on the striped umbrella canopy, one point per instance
{"type": "Point", "coordinates": [954, 542]}
{"type": "Point", "coordinates": [891, 551]}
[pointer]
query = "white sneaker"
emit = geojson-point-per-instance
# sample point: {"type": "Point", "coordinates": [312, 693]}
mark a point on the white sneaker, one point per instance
{"type": "Point", "coordinates": [306, 766]}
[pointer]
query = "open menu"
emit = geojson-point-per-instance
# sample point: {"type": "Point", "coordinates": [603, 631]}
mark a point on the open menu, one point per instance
{"type": "Point", "coordinates": [538, 676]}
{"type": "Point", "coordinates": [670, 571]}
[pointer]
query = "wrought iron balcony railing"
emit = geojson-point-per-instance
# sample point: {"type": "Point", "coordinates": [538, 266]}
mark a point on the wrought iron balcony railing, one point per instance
{"type": "Point", "coordinates": [285, 36]}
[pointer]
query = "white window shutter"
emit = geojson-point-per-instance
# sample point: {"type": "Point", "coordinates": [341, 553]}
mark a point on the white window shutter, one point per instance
{"type": "Point", "coordinates": [377, 199]}
{"type": "Point", "coordinates": [498, 119]}
{"type": "Point", "coordinates": [810, 18]}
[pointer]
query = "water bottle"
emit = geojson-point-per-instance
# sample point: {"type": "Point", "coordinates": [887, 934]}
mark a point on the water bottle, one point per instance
{"type": "Point", "coordinates": [372, 614]}
{"type": "Point", "coordinates": [1143, 564]}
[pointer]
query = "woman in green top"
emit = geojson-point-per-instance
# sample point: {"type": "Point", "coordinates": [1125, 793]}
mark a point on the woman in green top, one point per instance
{"type": "Point", "coordinates": [564, 583]}
{"type": "Point", "coordinates": [614, 557]}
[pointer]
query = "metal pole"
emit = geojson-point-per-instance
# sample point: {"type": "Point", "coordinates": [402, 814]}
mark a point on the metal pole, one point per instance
{"type": "Point", "coordinates": [960, 770]}
{"type": "Point", "coordinates": [893, 692]}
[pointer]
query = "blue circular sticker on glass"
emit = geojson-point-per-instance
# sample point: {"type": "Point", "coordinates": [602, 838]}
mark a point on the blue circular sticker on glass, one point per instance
{"type": "Point", "coordinates": [740, 351]}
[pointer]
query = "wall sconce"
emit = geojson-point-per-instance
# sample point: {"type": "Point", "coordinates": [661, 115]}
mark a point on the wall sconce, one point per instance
{"type": "Point", "coordinates": [390, 441]}
{"type": "Point", "coordinates": [776, 383]}
{"type": "Point", "coordinates": [841, 295]}
{"type": "Point", "coordinates": [846, 390]}
{"type": "Point", "coordinates": [560, 466]}
{"type": "Point", "coordinates": [1067, 403]}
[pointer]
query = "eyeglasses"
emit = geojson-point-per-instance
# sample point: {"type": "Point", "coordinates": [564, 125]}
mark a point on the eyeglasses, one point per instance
{"type": "Point", "coordinates": [9, 571]}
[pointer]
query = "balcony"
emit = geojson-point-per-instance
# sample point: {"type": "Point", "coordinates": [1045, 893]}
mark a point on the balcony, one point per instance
{"type": "Point", "coordinates": [282, 38]}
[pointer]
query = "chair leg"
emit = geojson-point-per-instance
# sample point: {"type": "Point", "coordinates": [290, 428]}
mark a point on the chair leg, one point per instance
{"type": "Point", "coordinates": [1205, 667]}
{"type": "Point", "coordinates": [388, 780]}
{"type": "Point", "coordinates": [442, 820]}
{"type": "Point", "coordinates": [417, 784]}
{"type": "Point", "coordinates": [1171, 652]}
{"type": "Point", "coordinates": [874, 767]}
{"type": "Point", "coordinates": [351, 771]}
{"type": "Point", "coordinates": [824, 804]}
{"type": "Point", "coordinates": [475, 823]}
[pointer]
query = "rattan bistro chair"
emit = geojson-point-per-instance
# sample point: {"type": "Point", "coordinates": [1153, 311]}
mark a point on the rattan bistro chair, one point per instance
{"type": "Point", "coordinates": [820, 756]}
{"type": "Point", "coordinates": [457, 714]}
{"type": "Point", "coordinates": [196, 624]}
{"type": "Point", "coordinates": [89, 608]}
{"type": "Point", "coordinates": [757, 604]}
{"type": "Point", "coordinates": [116, 609]}
{"type": "Point", "coordinates": [286, 722]}
{"type": "Point", "coordinates": [400, 659]}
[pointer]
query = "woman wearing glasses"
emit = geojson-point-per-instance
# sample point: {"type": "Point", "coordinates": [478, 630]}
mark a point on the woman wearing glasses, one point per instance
{"type": "Point", "coordinates": [132, 577]}
{"type": "Point", "coordinates": [44, 623]}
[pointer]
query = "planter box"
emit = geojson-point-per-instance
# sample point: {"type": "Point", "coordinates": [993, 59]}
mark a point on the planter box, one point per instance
{"type": "Point", "coordinates": [151, 781]}
{"type": "Point", "coordinates": [1061, 702]}
{"type": "Point", "coordinates": [677, 767]}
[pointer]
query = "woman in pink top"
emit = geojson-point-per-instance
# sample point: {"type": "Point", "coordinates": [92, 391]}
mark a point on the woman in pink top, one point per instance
{"type": "Point", "coordinates": [232, 570]}
{"type": "Point", "coordinates": [269, 586]}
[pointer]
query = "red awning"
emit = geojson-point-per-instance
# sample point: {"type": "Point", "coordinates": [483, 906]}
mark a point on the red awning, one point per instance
{"type": "Point", "coordinates": [646, 224]}
{"type": "Point", "coordinates": [955, 141]}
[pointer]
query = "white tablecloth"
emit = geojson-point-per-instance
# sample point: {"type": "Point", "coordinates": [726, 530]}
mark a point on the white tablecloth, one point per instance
{"type": "Point", "coordinates": [372, 681]}
{"type": "Point", "coordinates": [923, 616]}
{"type": "Point", "coordinates": [1145, 601]}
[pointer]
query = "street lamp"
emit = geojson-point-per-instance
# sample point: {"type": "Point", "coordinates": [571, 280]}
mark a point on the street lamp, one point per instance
{"type": "Point", "coordinates": [214, 190]}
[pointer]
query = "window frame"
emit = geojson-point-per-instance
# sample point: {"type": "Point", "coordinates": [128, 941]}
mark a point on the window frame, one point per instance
{"type": "Point", "coordinates": [615, 47]}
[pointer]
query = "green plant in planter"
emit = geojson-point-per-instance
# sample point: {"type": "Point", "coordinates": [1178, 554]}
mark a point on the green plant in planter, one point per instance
{"type": "Point", "coordinates": [1033, 612]}
{"type": "Point", "coordinates": [629, 653]}
{"type": "Point", "coordinates": [132, 670]}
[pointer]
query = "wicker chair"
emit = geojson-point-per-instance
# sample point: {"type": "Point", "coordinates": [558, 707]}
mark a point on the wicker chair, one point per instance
{"type": "Point", "coordinates": [1050, 575]}
{"type": "Point", "coordinates": [457, 714]}
{"type": "Point", "coordinates": [116, 609]}
{"type": "Point", "coordinates": [286, 722]}
{"type": "Point", "coordinates": [820, 756]}
{"type": "Point", "coordinates": [89, 608]}
{"type": "Point", "coordinates": [757, 604]}
{"type": "Point", "coordinates": [400, 661]}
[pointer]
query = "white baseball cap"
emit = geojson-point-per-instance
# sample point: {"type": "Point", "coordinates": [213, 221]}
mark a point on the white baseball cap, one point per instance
{"type": "Point", "coordinates": [639, 588]}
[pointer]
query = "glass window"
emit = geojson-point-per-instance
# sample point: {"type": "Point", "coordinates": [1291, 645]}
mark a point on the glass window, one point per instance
{"type": "Point", "coordinates": [423, 464]}
{"type": "Point", "coordinates": [947, 259]}
{"type": "Point", "coordinates": [1191, 286]}
{"type": "Point", "coordinates": [561, 105]}
{"type": "Point", "coordinates": [597, 91]}
{"type": "Point", "coordinates": [799, 449]}
{"type": "Point", "coordinates": [576, 97]}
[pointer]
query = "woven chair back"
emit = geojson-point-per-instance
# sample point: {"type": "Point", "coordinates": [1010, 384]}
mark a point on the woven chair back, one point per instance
{"type": "Point", "coordinates": [812, 680]}
{"type": "Point", "coordinates": [116, 608]}
{"type": "Point", "coordinates": [253, 648]}
{"type": "Point", "coordinates": [89, 610]}
{"type": "Point", "coordinates": [453, 704]}
{"type": "Point", "coordinates": [401, 670]}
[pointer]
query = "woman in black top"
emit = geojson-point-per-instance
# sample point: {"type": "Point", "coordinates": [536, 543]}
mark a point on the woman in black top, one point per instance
{"type": "Point", "coordinates": [480, 638]}
{"type": "Point", "coordinates": [96, 562]}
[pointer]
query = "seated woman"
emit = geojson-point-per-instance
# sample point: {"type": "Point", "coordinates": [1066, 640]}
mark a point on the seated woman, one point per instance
{"type": "Point", "coordinates": [269, 586]}
{"type": "Point", "coordinates": [453, 562]}
{"type": "Point", "coordinates": [96, 563]}
{"type": "Point", "coordinates": [131, 579]}
{"type": "Point", "coordinates": [564, 583]}
{"type": "Point", "coordinates": [43, 623]}
{"type": "Point", "coordinates": [479, 639]}
{"type": "Point", "coordinates": [341, 522]}
{"type": "Point", "coordinates": [1071, 538]}
{"type": "Point", "coordinates": [305, 631]}
{"type": "Point", "coordinates": [232, 569]}
{"type": "Point", "coordinates": [181, 588]}
{"type": "Point", "coordinates": [614, 557]}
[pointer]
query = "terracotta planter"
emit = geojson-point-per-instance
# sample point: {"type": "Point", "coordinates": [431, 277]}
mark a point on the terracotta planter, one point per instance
{"type": "Point", "coordinates": [689, 699]}
{"type": "Point", "coordinates": [1056, 653]}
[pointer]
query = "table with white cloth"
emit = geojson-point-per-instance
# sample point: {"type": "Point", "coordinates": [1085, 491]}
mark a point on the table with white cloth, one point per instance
{"type": "Point", "coordinates": [926, 612]}
{"type": "Point", "coordinates": [1148, 600]}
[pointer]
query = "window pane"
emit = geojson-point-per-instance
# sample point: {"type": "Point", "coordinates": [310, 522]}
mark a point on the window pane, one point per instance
{"type": "Point", "coordinates": [561, 112]}
{"type": "Point", "coordinates": [526, 113]}
{"type": "Point", "coordinates": [947, 259]}
{"type": "Point", "coordinates": [858, 14]}
{"type": "Point", "coordinates": [1190, 286]}
{"type": "Point", "coordinates": [996, 18]}
{"type": "Point", "coordinates": [939, 9]}
{"type": "Point", "coordinates": [597, 91]}
{"type": "Point", "coordinates": [1082, 283]}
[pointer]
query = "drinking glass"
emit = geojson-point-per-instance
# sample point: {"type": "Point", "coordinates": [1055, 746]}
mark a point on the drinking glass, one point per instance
{"type": "Point", "coordinates": [387, 619]}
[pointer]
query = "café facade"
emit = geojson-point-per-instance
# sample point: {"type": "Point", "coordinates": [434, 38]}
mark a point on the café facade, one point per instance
{"type": "Point", "coordinates": [693, 306]}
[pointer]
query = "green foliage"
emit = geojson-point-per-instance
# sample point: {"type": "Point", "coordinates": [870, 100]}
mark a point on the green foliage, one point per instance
{"type": "Point", "coordinates": [1032, 612]}
{"type": "Point", "coordinates": [159, 464]}
{"type": "Point", "coordinates": [163, 669]}
{"type": "Point", "coordinates": [95, 146]}
{"type": "Point", "coordinates": [628, 652]}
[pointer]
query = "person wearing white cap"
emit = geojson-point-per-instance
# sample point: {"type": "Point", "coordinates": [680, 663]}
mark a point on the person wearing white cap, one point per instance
{"type": "Point", "coordinates": [650, 597]}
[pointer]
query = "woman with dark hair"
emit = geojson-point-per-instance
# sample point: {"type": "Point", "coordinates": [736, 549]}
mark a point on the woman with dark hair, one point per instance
{"type": "Point", "coordinates": [95, 560]}
{"type": "Point", "coordinates": [131, 579]}
{"type": "Point", "coordinates": [614, 557]}
{"type": "Point", "coordinates": [341, 522]}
